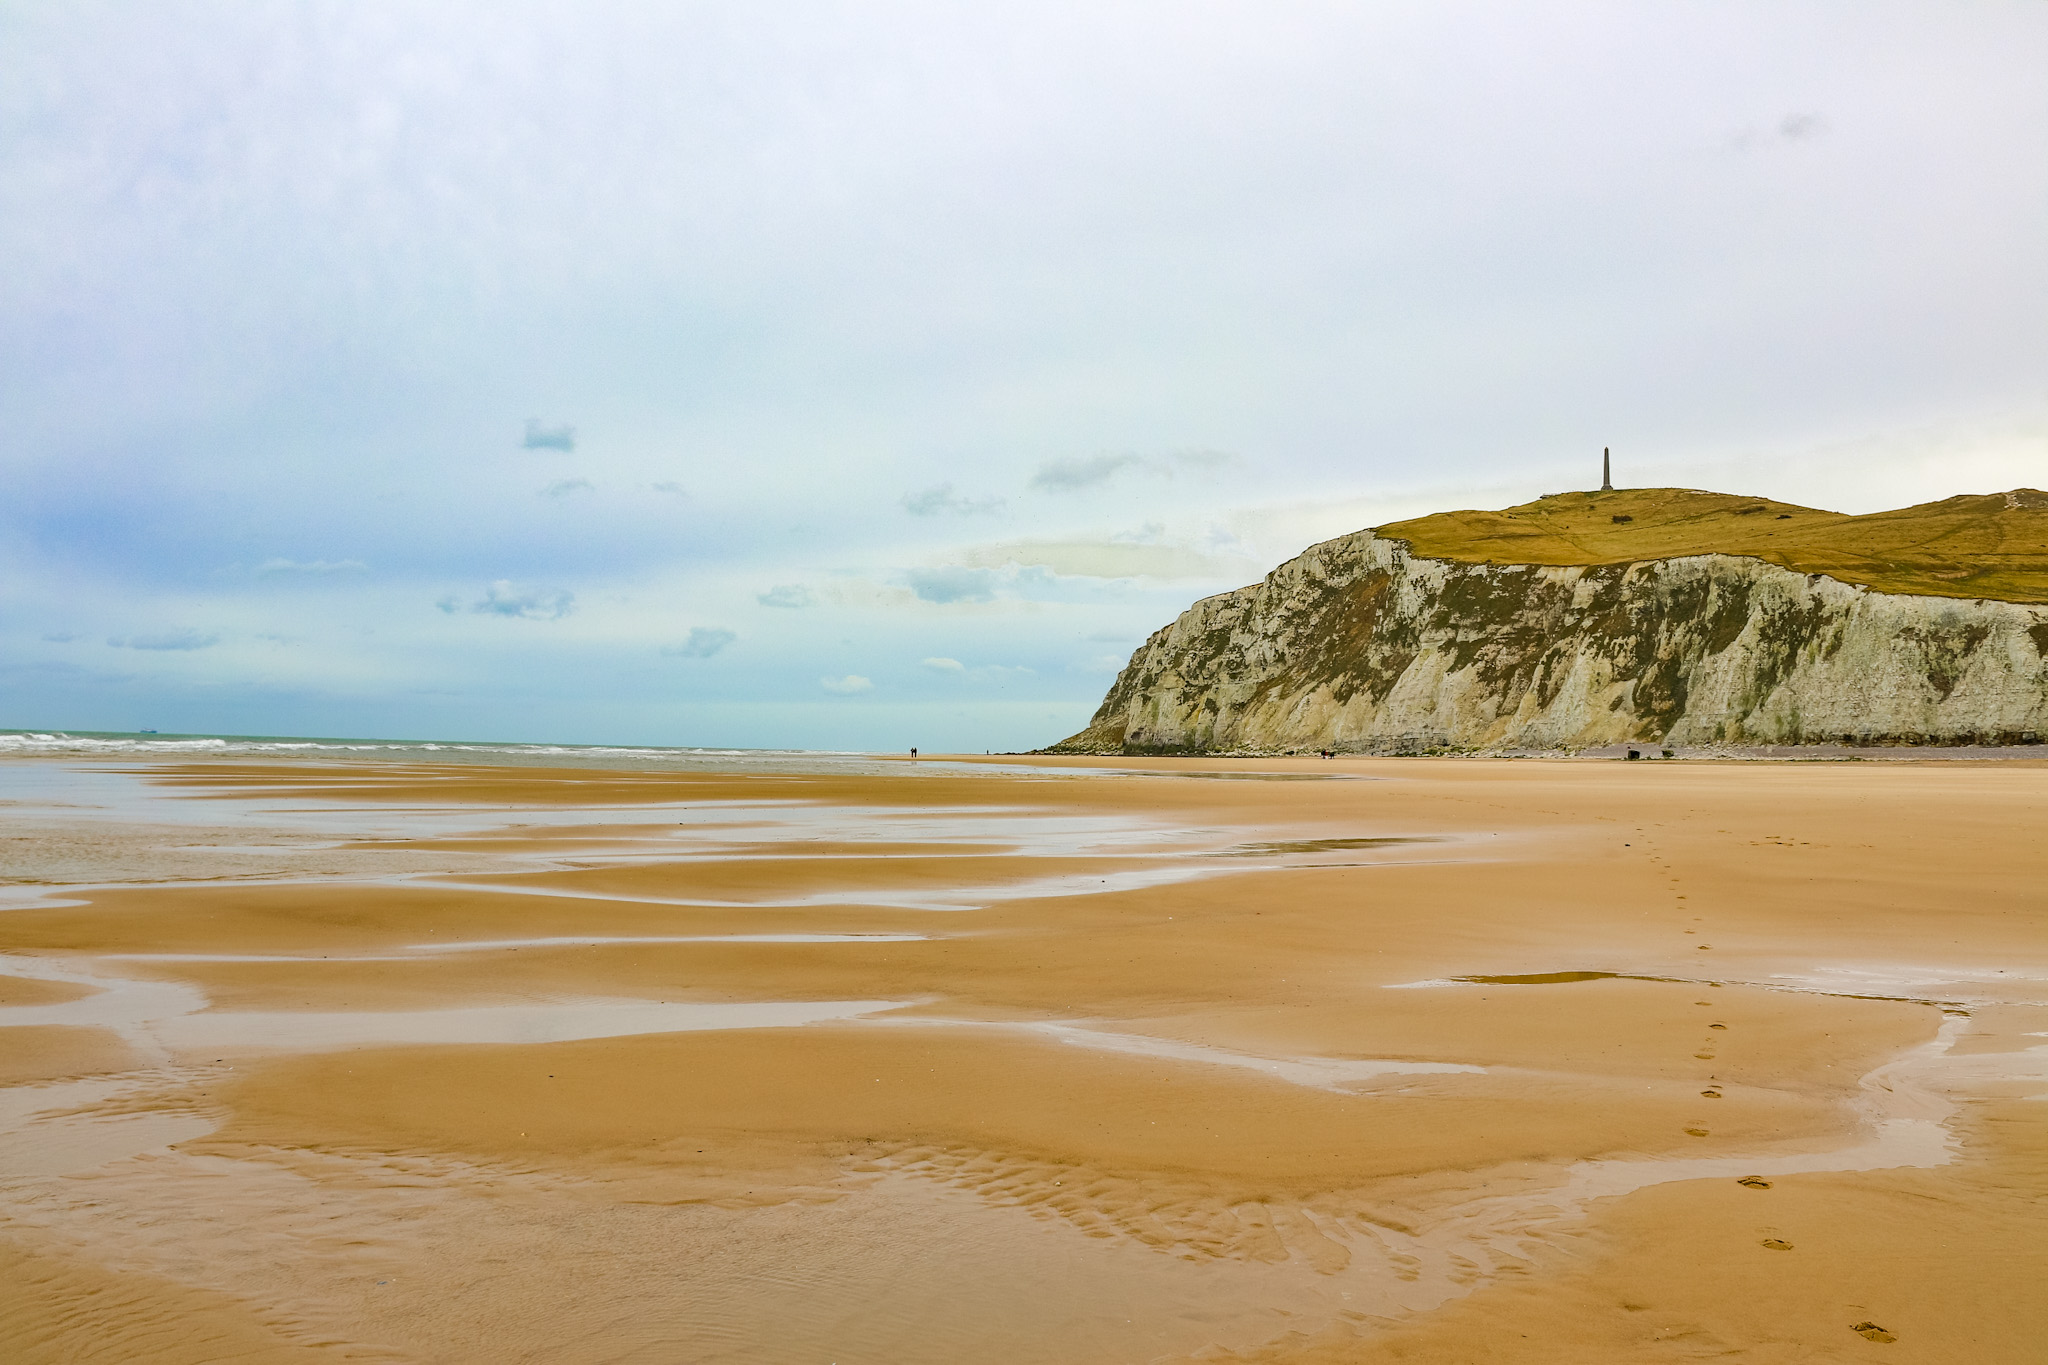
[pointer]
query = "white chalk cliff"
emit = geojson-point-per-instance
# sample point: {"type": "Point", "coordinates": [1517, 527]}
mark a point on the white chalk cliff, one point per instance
{"type": "Point", "coordinates": [1360, 646]}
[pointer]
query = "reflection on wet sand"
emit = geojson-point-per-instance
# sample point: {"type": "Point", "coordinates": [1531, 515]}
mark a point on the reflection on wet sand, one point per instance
{"type": "Point", "coordinates": [419, 1064]}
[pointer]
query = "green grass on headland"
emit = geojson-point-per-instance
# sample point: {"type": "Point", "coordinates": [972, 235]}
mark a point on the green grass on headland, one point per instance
{"type": "Point", "coordinates": [1992, 545]}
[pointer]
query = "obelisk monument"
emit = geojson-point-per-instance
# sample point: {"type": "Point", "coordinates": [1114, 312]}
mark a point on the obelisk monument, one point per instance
{"type": "Point", "coordinates": [1606, 473]}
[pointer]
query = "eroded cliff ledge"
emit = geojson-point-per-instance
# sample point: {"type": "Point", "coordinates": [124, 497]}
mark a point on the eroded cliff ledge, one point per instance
{"type": "Point", "coordinates": [1362, 645]}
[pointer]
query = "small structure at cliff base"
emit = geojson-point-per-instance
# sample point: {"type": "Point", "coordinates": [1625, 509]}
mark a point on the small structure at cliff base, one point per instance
{"type": "Point", "coordinates": [1657, 616]}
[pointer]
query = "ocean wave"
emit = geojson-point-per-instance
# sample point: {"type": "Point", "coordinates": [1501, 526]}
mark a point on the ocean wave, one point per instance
{"type": "Point", "coordinates": [58, 743]}
{"type": "Point", "coordinates": [40, 743]}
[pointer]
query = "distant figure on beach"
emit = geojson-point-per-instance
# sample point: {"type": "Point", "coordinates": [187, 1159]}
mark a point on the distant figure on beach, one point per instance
{"type": "Point", "coordinates": [913, 751]}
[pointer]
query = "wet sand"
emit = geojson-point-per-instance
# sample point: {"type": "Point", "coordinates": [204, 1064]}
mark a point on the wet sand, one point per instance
{"type": "Point", "coordinates": [1331, 1061]}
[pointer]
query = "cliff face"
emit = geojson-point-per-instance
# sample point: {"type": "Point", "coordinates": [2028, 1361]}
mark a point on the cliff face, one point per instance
{"type": "Point", "coordinates": [1359, 645]}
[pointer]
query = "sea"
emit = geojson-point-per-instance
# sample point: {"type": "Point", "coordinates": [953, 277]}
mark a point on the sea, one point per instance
{"type": "Point", "coordinates": [119, 745]}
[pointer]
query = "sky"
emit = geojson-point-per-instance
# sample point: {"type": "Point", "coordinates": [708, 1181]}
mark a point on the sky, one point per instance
{"type": "Point", "coordinates": [861, 376]}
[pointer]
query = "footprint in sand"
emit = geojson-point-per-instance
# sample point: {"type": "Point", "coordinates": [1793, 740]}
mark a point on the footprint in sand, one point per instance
{"type": "Point", "coordinates": [1710, 1094]}
{"type": "Point", "coordinates": [1872, 1331]}
{"type": "Point", "coordinates": [1704, 1056]}
{"type": "Point", "coordinates": [1755, 1182]}
{"type": "Point", "coordinates": [1777, 1244]}
{"type": "Point", "coordinates": [1697, 1132]}
{"type": "Point", "coordinates": [1717, 1026]}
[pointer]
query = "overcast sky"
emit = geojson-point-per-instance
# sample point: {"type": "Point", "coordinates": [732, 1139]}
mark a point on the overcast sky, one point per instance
{"type": "Point", "coordinates": [868, 375]}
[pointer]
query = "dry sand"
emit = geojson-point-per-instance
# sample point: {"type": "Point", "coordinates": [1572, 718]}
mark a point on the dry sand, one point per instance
{"type": "Point", "coordinates": [1331, 1061]}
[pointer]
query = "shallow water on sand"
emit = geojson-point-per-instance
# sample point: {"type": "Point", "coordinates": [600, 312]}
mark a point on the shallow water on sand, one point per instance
{"type": "Point", "coordinates": [947, 1237]}
{"type": "Point", "coordinates": [894, 1266]}
{"type": "Point", "coordinates": [901, 1264]}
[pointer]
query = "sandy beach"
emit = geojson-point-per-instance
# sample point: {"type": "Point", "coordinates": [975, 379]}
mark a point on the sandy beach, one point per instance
{"type": "Point", "coordinates": [1024, 1060]}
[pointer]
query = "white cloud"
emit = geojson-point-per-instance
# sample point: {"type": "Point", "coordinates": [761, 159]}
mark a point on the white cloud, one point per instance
{"type": "Point", "coordinates": [1796, 127]}
{"type": "Point", "coordinates": [1112, 558]}
{"type": "Point", "coordinates": [951, 583]}
{"type": "Point", "coordinates": [271, 567]}
{"type": "Point", "coordinates": [167, 640]}
{"type": "Point", "coordinates": [941, 498]}
{"type": "Point", "coordinates": [995, 673]}
{"type": "Point", "coordinates": [792, 596]}
{"type": "Point", "coordinates": [504, 599]}
{"type": "Point", "coordinates": [1021, 574]}
{"type": "Point", "coordinates": [1204, 461]}
{"type": "Point", "coordinates": [847, 686]}
{"type": "Point", "coordinates": [562, 488]}
{"type": "Point", "coordinates": [670, 486]}
{"type": "Point", "coordinates": [540, 436]}
{"type": "Point", "coordinates": [704, 642]}
{"type": "Point", "coordinates": [1064, 476]}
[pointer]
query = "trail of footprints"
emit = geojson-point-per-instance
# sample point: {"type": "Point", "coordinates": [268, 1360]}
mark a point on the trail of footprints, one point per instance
{"type": "Point", "coordinates": [1706, 1046]}
{"type": "Point", "coordinates": [1706, 1054]}
{"type": "Point", "coordinates": [1870, 1331]}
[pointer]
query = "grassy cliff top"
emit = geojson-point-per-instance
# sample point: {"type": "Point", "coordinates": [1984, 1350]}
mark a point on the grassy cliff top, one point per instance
{"type": "Point", "coordinates": [1976, 545]}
